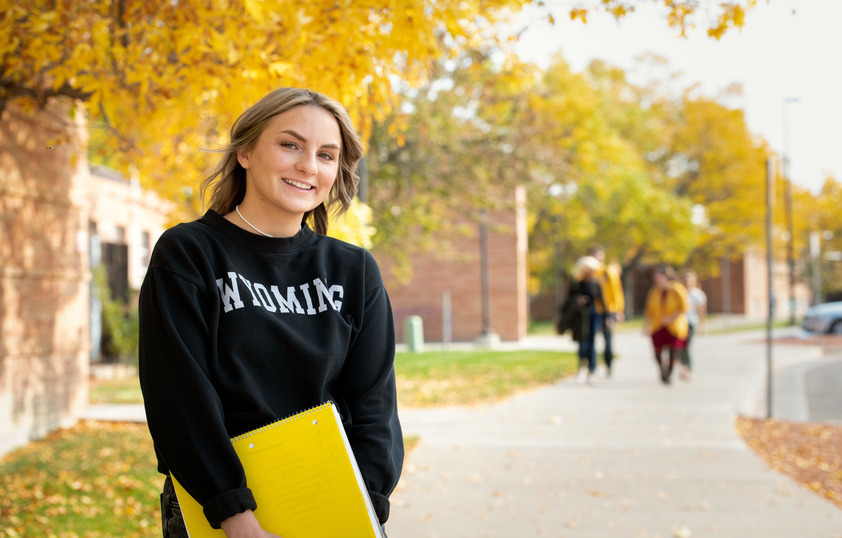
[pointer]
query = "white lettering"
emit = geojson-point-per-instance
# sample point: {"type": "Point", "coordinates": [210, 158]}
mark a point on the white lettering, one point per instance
{"type": "Point", "coordinates": [254, 300]}
{"type": "Point", "coordinates": [305, 289]}
{"type": "Point", "coordinates": [263, 293]}
{"type": "Point", "coordinates": [327, 293]}
{"type": "Point", "coordinates": [227, 294]}
{"type": "Point", "coordinates": [273, 300]}
{"type": "Point", "coordinates": [288, 304]}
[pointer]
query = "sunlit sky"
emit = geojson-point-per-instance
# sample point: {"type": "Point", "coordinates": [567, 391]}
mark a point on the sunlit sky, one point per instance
{"type": "Point", "coordinates": [787, 49]}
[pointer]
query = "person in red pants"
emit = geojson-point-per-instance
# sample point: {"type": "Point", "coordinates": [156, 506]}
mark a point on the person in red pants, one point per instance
{"type": "Point", "coordinates": [665, 319]}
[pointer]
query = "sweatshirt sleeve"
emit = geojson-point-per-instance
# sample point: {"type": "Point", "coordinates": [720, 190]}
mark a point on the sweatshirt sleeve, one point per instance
{"type": "Point", "coordinates": [183, 410]}
{"type": "Point", "coordinates": [367, 385]}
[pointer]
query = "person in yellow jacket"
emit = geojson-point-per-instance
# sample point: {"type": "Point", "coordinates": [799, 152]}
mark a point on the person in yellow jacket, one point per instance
{"type": "Point", "coordinates": [608, 276]}
{"type": "Point", "coordinates": [665, 318]}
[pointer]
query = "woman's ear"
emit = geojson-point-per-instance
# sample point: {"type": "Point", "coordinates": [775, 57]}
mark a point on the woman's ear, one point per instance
{"type": "Point", "coordinates": [243, 158]}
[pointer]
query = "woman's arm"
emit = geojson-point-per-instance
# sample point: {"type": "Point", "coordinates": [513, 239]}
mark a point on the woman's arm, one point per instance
{"type": "Point", "coordinates": [367, 386]}
{"type": "Point", "coordinates": [184, 412]}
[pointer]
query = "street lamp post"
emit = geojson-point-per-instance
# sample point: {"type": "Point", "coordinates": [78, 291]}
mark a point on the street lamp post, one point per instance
{"type": "Point", "coordinates": [770, 204]}
{"type": "Point", "coordinates": [790, 228]}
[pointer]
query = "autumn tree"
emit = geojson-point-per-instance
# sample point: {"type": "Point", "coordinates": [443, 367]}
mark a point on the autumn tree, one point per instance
{"type": "Point", "coordinates": [448, 152]}
{"type": "Point", "coordinates": [163, 79]}
{"type": "Point", "coordinates": [683, 15]}
{"type": "Point", "coordinates": [707, 155]}
{"type": "Point", "coordinates": [489, 122]}
{"type": "Point", "coordinates": [815, 225]}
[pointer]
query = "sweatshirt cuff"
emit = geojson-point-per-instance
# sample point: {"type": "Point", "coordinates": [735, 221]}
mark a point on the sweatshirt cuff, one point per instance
{"type": "Point", "coordinates": [381, 506]}
{"type": "Point", "coordinates": [228, 504]}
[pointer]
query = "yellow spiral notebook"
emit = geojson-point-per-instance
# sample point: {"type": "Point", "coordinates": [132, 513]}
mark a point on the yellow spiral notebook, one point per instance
{"type": "Point", "coordinates": [304, 477]}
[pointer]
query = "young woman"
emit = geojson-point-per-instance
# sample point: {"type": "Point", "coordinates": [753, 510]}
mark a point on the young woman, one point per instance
{"type": "Point", "coordinates": [249, 316]}
{"type": "Point", "coordinates": [665, 319]}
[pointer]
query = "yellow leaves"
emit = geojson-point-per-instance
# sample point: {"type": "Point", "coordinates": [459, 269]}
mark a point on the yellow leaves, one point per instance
{"type": "Point", "coordinates": [681, 14]}
{"type": "Point", "coordinates": [279, 68]}
{"type": "Point", "coordinates": [67, 484]}
{"type": "Point", "coordinates": [41, 22]}
{"type": "Point", "coordinates": [354, 226]}
{"type": "Point", "coordinates": [732, 16]}
{"type": "Point", "coordinates": [580, 14]}
{"type": "Point", "coordinates": [255, 9]}
{"type": "Point", "coordinates": [186, 69]}
{"type": "Point", "coordinates": [808, 452]}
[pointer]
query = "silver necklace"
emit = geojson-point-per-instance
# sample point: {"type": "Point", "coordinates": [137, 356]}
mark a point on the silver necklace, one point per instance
{"type": "Point", "coordinates": [256, 229]}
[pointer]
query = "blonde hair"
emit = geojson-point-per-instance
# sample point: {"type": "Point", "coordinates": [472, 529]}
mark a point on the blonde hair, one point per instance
{"type": "Point", "coordinates": [227, 181]}
{"type": "Point", "coordinates": [584, 265]}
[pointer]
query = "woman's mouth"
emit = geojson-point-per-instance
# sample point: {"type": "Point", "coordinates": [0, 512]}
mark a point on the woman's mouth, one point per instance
{"type": "Point", "coordinates": [298, 184]}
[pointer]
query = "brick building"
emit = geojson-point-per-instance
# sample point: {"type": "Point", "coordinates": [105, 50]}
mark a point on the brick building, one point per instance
{"type": "Point", "coordinates": [124, 224]}
{"type": "Point", "coordinates": [438, 280]}
{"type": "Point", "coordinates": [44, 344]}
{"type": "Point", "coordinates": [56, 216]}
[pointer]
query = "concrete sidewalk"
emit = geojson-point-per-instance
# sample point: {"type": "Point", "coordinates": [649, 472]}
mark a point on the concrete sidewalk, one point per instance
{"type": "Point", "coordinates": [626, 457]}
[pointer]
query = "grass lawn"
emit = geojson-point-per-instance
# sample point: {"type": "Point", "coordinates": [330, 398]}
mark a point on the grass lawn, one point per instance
{"type": "Point", "coordinates": [471, 377]}
{"type": "Point", "coordinates": [99, 479]}
{"type": "Point", "coordinates": [96, 479]}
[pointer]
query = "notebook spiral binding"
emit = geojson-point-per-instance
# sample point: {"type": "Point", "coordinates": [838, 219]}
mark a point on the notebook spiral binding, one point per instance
{"type": "Point", "coordinates": [290, 418]}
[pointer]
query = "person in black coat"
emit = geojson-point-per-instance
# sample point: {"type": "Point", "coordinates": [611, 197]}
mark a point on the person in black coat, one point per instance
{"type": "Point", "coordinates": [586, 292]}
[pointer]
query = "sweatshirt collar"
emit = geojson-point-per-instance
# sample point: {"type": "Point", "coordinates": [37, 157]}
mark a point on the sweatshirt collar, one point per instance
{"type": "Point", "coordinates": [259, 242]}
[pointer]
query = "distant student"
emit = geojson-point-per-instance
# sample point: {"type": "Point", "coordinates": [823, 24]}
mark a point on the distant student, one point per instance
{"type": "Point", "coordinates": [609, 279]}
{"type": "Point", "coordinates": [696, 318]}
{"type": "Point", "coordinates": [587, 292]}
{"type": "Point", "coordinates": [665, 319]}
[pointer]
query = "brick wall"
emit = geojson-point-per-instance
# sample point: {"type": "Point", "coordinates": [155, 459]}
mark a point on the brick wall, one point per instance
{"type": "Point", "coordinates": [44, 275]}
{"type": "Point", "coordinates": [434, 274]}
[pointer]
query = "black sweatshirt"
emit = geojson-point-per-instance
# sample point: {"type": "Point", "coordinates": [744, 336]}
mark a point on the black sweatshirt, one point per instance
{"type": "Point", "coordinates": [239, 330]}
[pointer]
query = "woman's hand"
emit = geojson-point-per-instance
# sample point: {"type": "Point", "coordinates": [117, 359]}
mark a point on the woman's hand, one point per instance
{"type": "Point", "coordinates": [245, 525]}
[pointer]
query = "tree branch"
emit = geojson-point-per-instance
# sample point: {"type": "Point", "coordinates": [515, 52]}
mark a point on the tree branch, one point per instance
{"type": "Point", "coordinates": [12, 89]}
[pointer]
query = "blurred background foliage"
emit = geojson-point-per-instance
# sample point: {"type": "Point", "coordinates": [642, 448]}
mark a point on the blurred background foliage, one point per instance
{"type": "Point", "coordinates": [452, 119]}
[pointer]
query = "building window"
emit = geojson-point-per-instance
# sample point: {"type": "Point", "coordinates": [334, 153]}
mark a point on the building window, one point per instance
{"type": "Point", "coordinates": [120, 235]}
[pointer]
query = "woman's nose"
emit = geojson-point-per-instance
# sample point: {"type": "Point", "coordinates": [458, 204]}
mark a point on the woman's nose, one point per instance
{"type": "Point", "coordinates": [308, 164]}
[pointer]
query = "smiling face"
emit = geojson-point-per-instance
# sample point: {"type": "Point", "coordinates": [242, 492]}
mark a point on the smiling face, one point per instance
{"type": "Point", "coordinates": [290, 170]}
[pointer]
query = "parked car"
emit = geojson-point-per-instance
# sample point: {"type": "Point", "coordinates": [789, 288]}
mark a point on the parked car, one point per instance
{"type": "Point", "coordinates": [824, 318]}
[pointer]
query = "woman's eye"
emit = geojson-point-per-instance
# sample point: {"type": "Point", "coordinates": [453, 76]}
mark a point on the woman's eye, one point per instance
{"type": "Point", "coordinates": [326, 156]}
{"type": "Point", "coordinates": [289, 145]}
